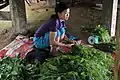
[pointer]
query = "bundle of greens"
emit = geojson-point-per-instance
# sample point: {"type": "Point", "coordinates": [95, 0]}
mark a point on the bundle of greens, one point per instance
{"type": "Point", "coordinates": [91, 53]}
{"type": "Point", "coordinates": [18, 69]}
{"type": "Point", "coordinates": [103, 33]}
{"type": "Point", "coordinates": [10, 69]}
{"type": "Point", "coordinates": [106, 47]}
{"type": "Point", "coordinates": [83, 63]}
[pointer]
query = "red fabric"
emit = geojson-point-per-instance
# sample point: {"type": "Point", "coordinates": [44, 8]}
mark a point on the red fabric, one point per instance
{"type": "Point", "coordinates": [64, 49]}
{"type": "Point", "coordinates": [21, 45]}
{"type": "Point", "coordinates": [22, 50]}
{"type": "Point", "coordinates": [2, 53]}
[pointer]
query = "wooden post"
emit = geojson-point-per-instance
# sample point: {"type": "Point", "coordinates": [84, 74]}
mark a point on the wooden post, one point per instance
{"type": "Point", "coordinates": [114, 17]}
{"type": "Point", "coordinates": [18, 16]}
{"type": "Point", "coordinates": [117, 60]}
{"type": "Point", "coordinates": [109, 15]}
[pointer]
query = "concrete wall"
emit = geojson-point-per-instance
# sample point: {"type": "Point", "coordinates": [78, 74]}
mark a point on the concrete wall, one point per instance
{"type": "Point", "coordinates": [51, 3]}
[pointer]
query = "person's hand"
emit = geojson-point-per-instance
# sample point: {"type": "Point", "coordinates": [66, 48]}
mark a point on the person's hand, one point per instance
{"type": "Point", "coordinates": [69, 45]}
{"type": "Point", "coordinates": [78, 42]}
{"type": "Point", "coordinates": [74, 42]}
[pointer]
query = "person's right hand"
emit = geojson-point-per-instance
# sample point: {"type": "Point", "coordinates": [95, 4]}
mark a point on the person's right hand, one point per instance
{"type": "Point", "coordinates": [69, 45]}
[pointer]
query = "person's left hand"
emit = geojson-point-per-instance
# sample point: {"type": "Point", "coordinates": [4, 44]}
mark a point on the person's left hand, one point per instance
{"type": "Point", "coordinates": [74, 42]}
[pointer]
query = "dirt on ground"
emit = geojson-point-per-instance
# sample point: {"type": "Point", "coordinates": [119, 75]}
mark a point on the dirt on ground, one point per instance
{"type": "Point", "coordinates": [4, 39]}
{"type": "Point", "coordinates": [80, 17]}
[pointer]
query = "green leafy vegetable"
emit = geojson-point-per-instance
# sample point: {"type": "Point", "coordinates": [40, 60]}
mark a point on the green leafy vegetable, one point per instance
{"type": "Point", "coordinates": [103, 33]}
{"type": "Point", "coordinates": [82, 63]}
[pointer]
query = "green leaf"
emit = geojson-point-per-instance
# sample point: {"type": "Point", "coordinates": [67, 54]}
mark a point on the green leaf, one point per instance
{"type": "Point", "coordinates": [14, 73]}
{"type": "Point", "coordinates": [59, 78]}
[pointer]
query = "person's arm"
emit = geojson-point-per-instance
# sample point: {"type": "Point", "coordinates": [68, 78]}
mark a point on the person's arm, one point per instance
{"type": "Point", "coordinates": [66, 38]}
{"type": "Point", "coordinates": [62, 36]}
{"type": "Point", "coordinates": [57, 43]}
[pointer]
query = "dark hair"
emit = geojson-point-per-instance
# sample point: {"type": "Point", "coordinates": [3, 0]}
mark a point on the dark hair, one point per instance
{"type": "Point", "coordinates": [60, 7]}
{"type": "Point", "coordinates": [54, 16]}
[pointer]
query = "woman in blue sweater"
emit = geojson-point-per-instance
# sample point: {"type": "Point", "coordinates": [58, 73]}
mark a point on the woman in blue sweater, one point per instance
{"type": "Point", "coordinates": [50, 34]}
